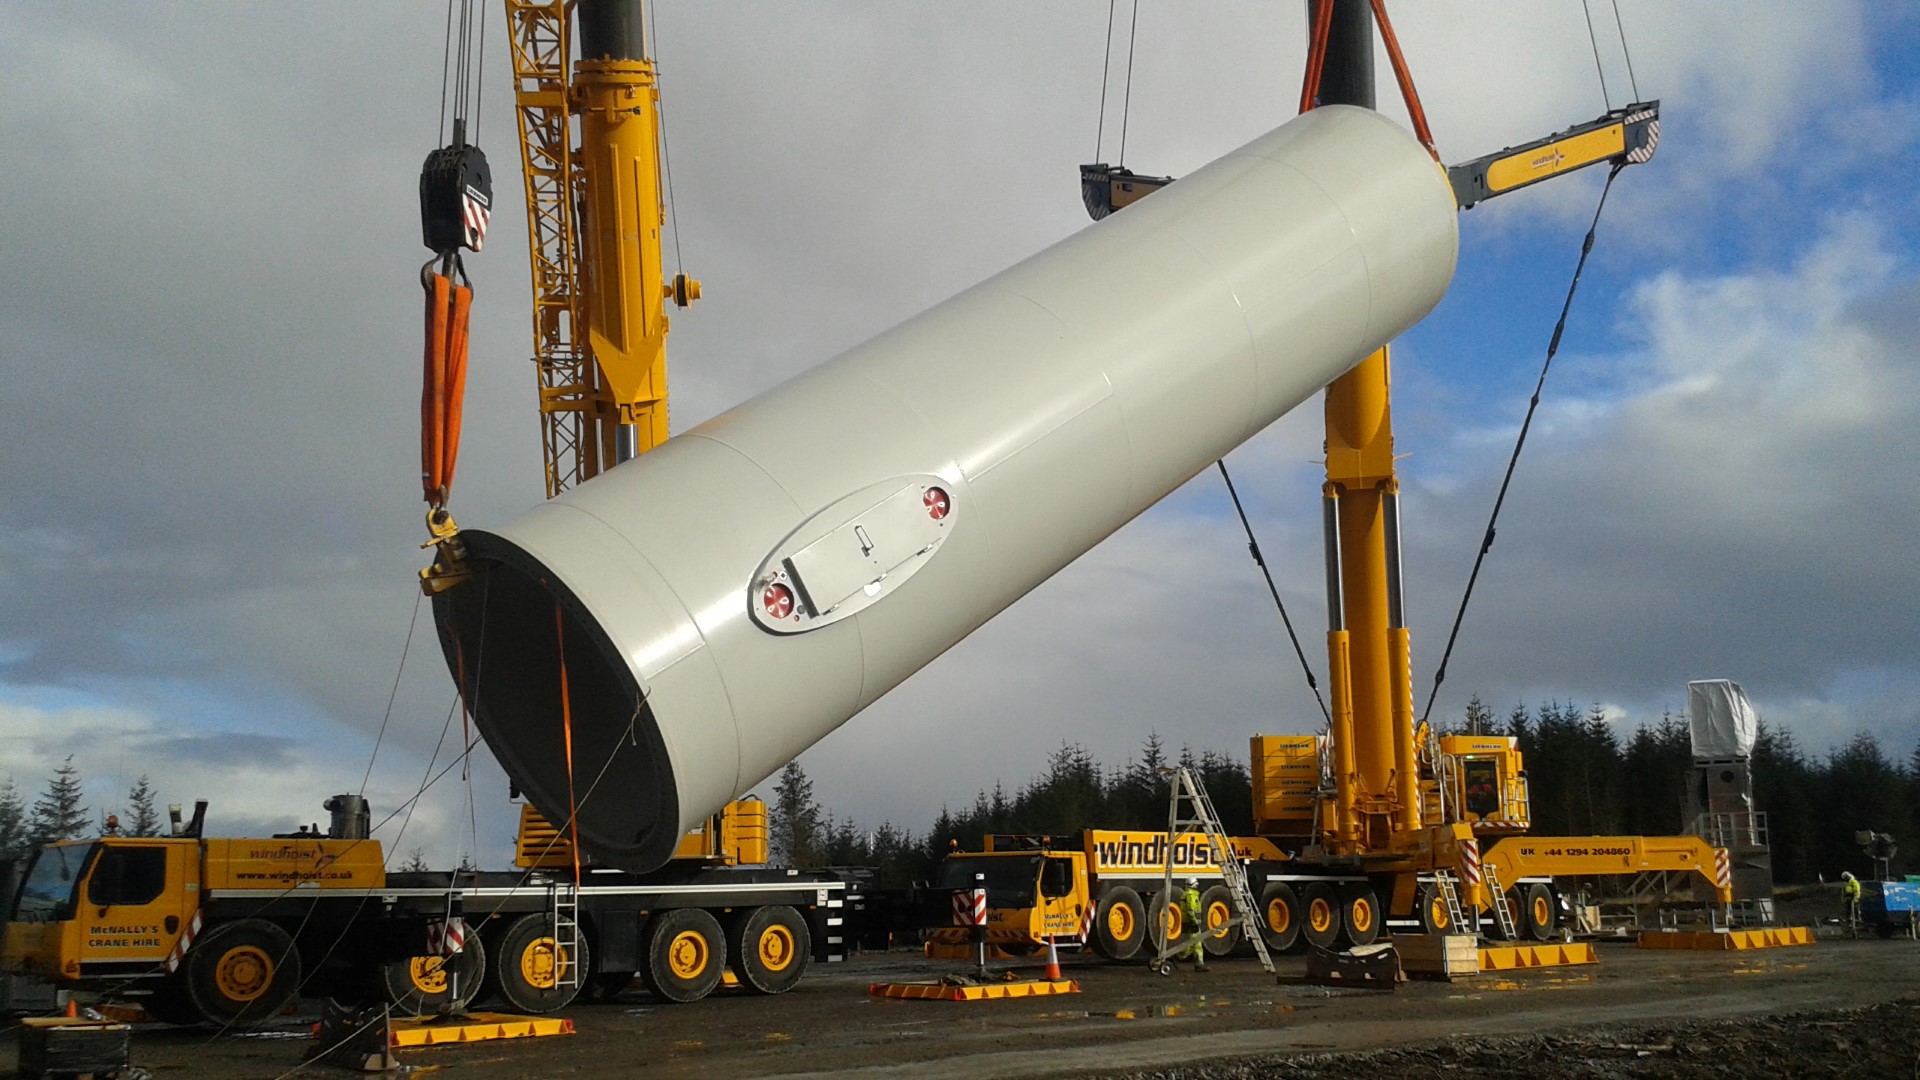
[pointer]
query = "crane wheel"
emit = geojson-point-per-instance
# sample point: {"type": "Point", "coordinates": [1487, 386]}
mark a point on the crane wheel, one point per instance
{"type": "Point", "coordinates": [1534, 910]}
{"type": "Point", "coordinates": [1431, 908]}
{"type": "Point", "coordinates": [768, 948]}
{"type": "Point", "coordinates": [431, 984]}
{"type": "Point", "coordinates": [1280, 916]}
{"type": "Point", "coordinates": [532, 970]}
{"type": "Point", "coordinates": [1216, 916]}
{"type": "Point", "coordinates": [1119, 924]}
{"type": "Point", "coordinates": [241, 974]}
{"type": "Point", "coordinates": [1320, 914]}
{"type": "Point", "coordinates": [1166, 924]}
{"type": "Point", "coordinates": [1360, 911]}
{"type": "Point", "coordinates": [683, 955]}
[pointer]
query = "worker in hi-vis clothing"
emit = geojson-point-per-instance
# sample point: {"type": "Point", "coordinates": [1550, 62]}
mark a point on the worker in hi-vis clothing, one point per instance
{"type": "Point", "coordinates": [1850, 900]}
{"type": "Point", "coordinates": [1190, 912]}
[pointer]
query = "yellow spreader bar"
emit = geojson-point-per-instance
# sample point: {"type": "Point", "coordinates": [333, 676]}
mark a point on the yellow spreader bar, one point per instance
{"type": "Point", "coordinates": [1523, 957]}
{"type": "Point", "coordinates": [1726, 940]}
{"type": "Point", "coordinates": [475, 1027]}
{"type": "Point", "coordinates": [973, 992]}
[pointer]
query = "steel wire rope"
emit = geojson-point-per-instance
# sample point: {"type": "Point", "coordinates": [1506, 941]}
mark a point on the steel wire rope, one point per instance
{"type": "Point", "coordinates": [1126, 100]}
{"type": "Point", "coordinates": [1594, 39]}
{"type": "Point", "coordinates": [393, 694]}
{"type": "Point", "coordinates": [1106, 77]}
{"type": "Point", "coordinates": [1633, 83]}
{"type": "Point", "coordinates": [446, 60]}
{"type": "Point", "coordinates": [652, 46]}
{"type": "Point", "coordinates": [1253, 548]}
{"type": "Point", "coordinates": [1533, 404]}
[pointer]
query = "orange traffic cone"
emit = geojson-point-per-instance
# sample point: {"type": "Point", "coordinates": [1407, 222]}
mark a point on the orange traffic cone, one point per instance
{"type": "Point", "coordinates": [73, 1009]}
{"type": "Point", "coordinates": [1053, 961]}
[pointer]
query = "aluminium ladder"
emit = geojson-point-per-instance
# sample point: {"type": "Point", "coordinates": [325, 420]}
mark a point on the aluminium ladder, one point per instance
{"type": "Point", "coordinates": [1200, 819]}
{"type": "Point", "coordinates": [1502, 911]}
{"type": "Point", "coordinates": [563, 908]}
{"type": "Point", "coordinates": [1456, 919]}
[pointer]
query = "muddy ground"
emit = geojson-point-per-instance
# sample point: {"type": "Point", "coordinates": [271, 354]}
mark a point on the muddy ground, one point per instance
{"type": "Point", "coordinates": [1834, 1008]}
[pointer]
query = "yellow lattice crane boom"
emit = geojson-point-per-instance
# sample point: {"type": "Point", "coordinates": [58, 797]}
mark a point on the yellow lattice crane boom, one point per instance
{"type": "Point", "coordinates": [590, 155]}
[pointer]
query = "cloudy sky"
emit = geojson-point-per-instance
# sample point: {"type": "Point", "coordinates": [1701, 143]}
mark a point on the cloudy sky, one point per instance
{"type": "Point", "coordinates": [209, 328]}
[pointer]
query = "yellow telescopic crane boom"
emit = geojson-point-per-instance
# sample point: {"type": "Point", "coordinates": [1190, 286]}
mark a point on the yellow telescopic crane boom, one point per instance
{"type": "Point", "coordinates": [590, 154]}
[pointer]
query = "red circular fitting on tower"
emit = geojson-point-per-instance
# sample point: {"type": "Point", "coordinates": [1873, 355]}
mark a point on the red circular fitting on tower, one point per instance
{"type": "Point", "coordinates": [777, 599]}
{"type": "Point", "coordinates": [936, 500]}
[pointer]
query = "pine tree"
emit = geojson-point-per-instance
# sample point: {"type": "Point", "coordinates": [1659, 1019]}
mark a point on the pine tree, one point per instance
{"type": "Point", "coordinates": [795, 834]}
{"type": "Point", "coordinates": [416, 861]}
{"type": "Point", "coordinates": [14, 839]}
{"type": "Point", "coordinates": [145, 818]}
{"type": "Point", "coordinates": [57, 813]}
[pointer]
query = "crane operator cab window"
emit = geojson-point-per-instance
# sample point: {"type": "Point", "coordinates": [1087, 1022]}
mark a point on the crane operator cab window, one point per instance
{"type": "Point", "coordinates": [127, 875]}
{"type": "Point", "coordinates": [1056, 878]}
{"type": "Point", "coordinates": [48, 893]}
{"type": "Point", "coordinates": [1481, 779]}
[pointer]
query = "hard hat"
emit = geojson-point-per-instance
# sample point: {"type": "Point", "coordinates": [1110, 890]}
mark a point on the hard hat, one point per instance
{"type": "Point", "coordinates": [1847, 874]}
{"type": "Point", "coordinates": [1193, 883]}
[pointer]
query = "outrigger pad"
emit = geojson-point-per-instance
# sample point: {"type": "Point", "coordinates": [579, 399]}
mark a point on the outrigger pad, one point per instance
{"type": "Point", "coordinates": [1375, 967]}
{"type": "Point", "coordinates": [357, 1041]}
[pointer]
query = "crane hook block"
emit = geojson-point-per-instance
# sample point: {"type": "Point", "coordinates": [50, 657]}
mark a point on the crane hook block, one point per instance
{"type": "Point", "coordinates": [456, 198]}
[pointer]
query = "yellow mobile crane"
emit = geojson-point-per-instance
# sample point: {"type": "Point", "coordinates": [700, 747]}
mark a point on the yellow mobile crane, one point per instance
{"type": "Point", "coordinates": [1379, 795]}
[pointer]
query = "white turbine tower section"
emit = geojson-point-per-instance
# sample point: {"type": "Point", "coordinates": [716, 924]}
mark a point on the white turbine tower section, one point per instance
{"type": "Point", "coordinates": [729, 599]}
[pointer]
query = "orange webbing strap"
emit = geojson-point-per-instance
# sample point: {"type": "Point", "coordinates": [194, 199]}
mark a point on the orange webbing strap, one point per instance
{"type": "Point", "coordinates": [444, 383]}
{"type": "Point", "coordinates": [1316, 53]}
{"type": "Point", "coordinates": [1405, 77]}
{"type": "Point", "coordinates": [566, 730]}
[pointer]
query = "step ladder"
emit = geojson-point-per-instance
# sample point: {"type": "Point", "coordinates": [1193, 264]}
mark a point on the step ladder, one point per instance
{"type": "Point", "coordinates": [1502, 911]}
{"type": "Point", "coordinates": [1190, 812]}
{"type": "Point", "coordinates": [1456, 920]}
{"type": "Point", "coordinates": [563, 908]}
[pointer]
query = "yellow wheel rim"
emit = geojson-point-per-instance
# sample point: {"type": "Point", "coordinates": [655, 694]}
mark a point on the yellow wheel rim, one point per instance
{"type": "Point", "coordinates": [687, 954]}
{"type": "Point", "coordinates": [243, 973]}
{"type": "Point", "coordinates": [1218, 915]}
{"type": "Point", "coordinates": [1437, 913]}
{"type": "Point", "coordinates": [775, 948]}
{"type": "Point", "coordinates": [1170, 922]}
{"type": "Point", "coordinates": [428, 974]}
{"type": "Point", "coordinates": [1542, 911]}
{"type": "Point", "coordinates": [1360, 914]}
{"type": "Point", "coordinates": [1120, 923]}
{"type": "Point", "coordinates": [1320, 915]}
{"type": "Point", "coordinates": [540, 963]}
{"type": "Point", "coordinates": [1279, 916]}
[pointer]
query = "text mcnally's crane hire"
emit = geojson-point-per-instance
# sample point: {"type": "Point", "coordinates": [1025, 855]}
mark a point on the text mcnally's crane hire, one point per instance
{"type": "Point", "coordinates": [1377, 817]}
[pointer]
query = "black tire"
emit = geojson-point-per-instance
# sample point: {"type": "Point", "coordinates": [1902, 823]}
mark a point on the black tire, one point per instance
{"type": "Point", "coordinates": [531, 971]}
{"type": "Point", "coordinates": [684, 954]}
{"type": "Point", "coordinates": [1537, 914]}
{"type": "Point", "coordinates": [1216, 921]}
{"type": "Point", "coordinates": [241, 974]}
{"type": "Point", "coordinates": [1280, 916]}
{"type": "Point", "coordinates": [1166, 923]}
{"type": "Point", "coordinates": [1494, 931]}
{"type": "Point", "coordinates": [1360, 914]}
{"type": "Point", "coordinates": [768, 948]}
{"type": "Point", "coordinates": [431, 984]}
{"type": "Point", "coordinates": [1320, 915]}
{"type": "Point", "coordinates": [1119, 924]}
{"type": "Point", "coordinates": [1430, 907]}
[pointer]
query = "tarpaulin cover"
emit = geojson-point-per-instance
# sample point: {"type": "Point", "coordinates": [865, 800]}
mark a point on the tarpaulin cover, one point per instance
{"type": "Point", "coordinates": [1723, 721]}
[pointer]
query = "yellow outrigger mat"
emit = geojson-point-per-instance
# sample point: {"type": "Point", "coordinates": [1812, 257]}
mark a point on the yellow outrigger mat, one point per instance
{"type": "Point", "coordinates": [1522, 957]}
{"type": "Point", "coordinates": [1726, 940]}
{"type": "Point", "coordinates": [475, 1027]}
{"type": "Point", "coordinates": [950, 991]}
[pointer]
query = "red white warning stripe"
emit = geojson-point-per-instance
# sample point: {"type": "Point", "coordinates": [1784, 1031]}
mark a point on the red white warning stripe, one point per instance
{"type": "Point", "coordinates": [1086, 924]}
{"type": "Point", "coordinates": [477, 215]}
{"type": "Point", "coordinates": [970, 907]}
{"type": "Point", "coordinates": [1639, 154]}
{"type": "Point", "coordinates": [180, 947]}
{"type": "Point", "coordinates": [1470, 861]}
{"type": "Point", "coordinates": [1722, 868]}
{"type": "Point", "coordinates": [446, 937]}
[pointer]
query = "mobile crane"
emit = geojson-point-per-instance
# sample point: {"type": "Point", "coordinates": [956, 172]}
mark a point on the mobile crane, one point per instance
{"type": "Point", "coordinates": [1377, 817]}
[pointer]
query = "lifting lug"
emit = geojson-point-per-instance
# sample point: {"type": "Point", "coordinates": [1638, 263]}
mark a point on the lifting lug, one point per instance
{"type": "Point", "coordinates": [450, 558]}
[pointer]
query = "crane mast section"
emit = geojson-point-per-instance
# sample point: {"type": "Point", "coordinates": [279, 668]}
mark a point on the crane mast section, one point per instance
{"type": "Point", "coordinates": [538, 37]}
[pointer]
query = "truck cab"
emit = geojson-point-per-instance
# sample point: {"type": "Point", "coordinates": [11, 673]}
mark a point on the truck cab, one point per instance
{"type": "Point", "coordinates": [1031, 895]}
{"type": "Point", "coordinates": [111, 906]}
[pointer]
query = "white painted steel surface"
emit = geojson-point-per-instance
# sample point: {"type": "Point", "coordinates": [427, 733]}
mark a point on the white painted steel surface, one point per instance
{"type": "Point", "coordinates": [1048, 406]}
